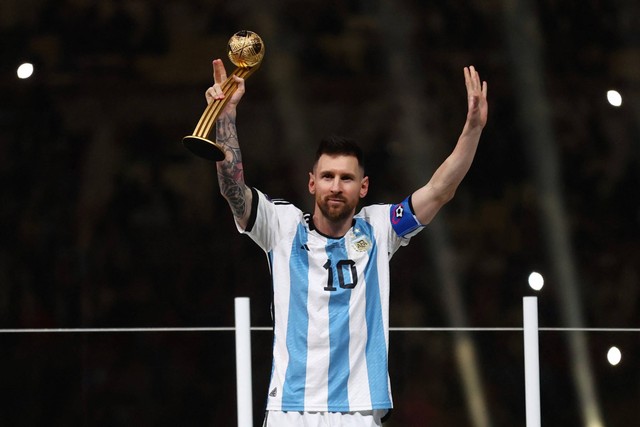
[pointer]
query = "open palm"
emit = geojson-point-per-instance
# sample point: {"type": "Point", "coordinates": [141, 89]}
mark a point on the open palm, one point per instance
{"type": "Point", "coordinates": [478, 108]}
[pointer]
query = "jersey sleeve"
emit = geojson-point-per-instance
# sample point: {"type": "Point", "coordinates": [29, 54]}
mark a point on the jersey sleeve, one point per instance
{"type": "Point", "coordinates": [267, 219]}
{"type": "Point", "coordinates": [395, 224]}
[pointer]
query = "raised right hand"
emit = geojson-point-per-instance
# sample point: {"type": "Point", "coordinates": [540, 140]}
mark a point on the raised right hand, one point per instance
{"type": "Point", "coordinates": [215, 91]}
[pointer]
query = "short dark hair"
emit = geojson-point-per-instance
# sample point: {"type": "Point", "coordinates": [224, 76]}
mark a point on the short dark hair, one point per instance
{"type": "Point", "coordinates": [339, 145]}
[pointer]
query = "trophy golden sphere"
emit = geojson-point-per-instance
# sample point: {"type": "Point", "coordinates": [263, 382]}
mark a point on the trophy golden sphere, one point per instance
{"type": "Point", "coordinates": [245, 49]}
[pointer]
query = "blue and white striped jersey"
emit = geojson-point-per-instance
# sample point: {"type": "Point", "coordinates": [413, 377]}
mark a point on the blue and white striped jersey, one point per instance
{"type": "Point", "coordinates": [330, 305]}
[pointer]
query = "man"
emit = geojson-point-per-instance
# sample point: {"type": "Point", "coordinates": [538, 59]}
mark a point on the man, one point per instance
{"type": "Point", "coordinates": [330, 269]}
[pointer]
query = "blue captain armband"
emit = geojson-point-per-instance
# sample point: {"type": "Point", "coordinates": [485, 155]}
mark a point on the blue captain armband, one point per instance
{"type": "Point", "coordinates": [403, 221]}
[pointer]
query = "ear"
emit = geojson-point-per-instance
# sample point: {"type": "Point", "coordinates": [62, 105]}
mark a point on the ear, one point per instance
{"type": "Point", "coordinates": [364, 187]}
{"type": "Point", "coordinates": [312, 183]}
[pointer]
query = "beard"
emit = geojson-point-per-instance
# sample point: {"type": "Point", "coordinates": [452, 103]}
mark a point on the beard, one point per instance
{"type": "Point", "coordinates": [335, 213]}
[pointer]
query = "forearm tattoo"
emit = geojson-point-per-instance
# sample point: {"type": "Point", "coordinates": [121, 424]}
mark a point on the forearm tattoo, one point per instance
{"type": "Point", "coordinates": [230, 171]}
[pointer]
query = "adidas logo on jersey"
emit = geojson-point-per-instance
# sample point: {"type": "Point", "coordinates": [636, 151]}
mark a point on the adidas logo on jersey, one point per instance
{"type": "Point", "coordinates": [274, 392]}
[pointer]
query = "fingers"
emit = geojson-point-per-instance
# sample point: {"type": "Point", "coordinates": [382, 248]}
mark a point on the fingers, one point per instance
{"type": "Point", "coordinates": [216, 92]}
{"type": "Point", "coordinates": [472, 79]}
{"type": "Point", "coordinates": [219, 76]}
{"type": "Point", "coordinates": [473, 82]}
{"type": "Point", "coordinates": [240, 82]}
{"type": "Point", "coordinates": [219, 72]}
{"type": "Point", "coordinates": [475, 78]}
{"type": "Point", "coordinates": [476, 97]}
{"type": "Point", "coordinates": [467, 79]}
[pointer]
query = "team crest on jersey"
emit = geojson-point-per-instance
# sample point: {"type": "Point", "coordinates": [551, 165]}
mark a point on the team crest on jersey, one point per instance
{"type": "Point", "coordinates": [361, 244]}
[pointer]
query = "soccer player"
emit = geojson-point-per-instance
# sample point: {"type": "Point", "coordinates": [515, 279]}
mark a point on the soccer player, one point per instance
{"type": "Point", "coordinates": [330, 268]}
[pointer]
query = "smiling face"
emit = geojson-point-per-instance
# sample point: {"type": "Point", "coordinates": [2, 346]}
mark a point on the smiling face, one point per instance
{"type": "Point", "coordinates": [338, 183]}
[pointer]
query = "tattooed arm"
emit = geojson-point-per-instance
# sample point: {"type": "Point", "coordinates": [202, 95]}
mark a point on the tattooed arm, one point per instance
{"type": "Point", "coordinates": [230, 170]}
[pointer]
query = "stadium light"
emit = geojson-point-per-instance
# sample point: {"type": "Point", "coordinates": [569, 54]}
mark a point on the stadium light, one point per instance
{"type": "Point", "coordinates": [614, 98]}
{"type": "Point", "coordinates": [536, 281]}
{"type": "Point", "coordinates": [25, 70]}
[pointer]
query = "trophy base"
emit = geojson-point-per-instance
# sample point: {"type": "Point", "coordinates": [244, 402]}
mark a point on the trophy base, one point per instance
{"type": "Point", "coordinates": [204, 148]}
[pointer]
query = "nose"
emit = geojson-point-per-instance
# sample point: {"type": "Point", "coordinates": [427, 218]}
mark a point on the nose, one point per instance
{"type": "Point", "coordinates": [335, 185]}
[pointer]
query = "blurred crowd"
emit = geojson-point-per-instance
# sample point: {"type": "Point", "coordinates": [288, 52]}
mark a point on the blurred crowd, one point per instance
{"type": "Point", "coordinates": [108, 222]}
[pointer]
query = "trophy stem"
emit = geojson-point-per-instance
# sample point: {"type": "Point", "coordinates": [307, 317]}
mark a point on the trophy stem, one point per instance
{"type": "Point", "coordinates": [213, 110]}
{"type": "Point", "coordinates": [211, 113]}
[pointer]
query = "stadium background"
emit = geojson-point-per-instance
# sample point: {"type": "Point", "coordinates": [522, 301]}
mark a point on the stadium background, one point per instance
{"type": "Point", "coordinates": [107, 221]}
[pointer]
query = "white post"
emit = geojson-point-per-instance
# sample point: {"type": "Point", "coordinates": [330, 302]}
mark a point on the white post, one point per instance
{"type": "Point", "coordinates": [243, 362]}
{"type": "Point", "coordinates": [531, 361]}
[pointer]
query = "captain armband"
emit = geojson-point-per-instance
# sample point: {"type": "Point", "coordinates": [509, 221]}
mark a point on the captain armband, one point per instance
{"type": "Point", "coordinates": [403, 220]}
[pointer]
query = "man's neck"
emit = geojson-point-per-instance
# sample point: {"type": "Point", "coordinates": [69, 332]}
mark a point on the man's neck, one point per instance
{"type": "Point", "coordinates": [335, 229]}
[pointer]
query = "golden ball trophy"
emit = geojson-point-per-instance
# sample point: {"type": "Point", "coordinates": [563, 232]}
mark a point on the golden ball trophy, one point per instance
{"type": "Point", "coordinates": [245, 50]}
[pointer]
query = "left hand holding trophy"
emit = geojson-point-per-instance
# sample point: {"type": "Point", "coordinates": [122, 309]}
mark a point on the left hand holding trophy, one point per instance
{"type": "Point", "coordinates": [245, 50]}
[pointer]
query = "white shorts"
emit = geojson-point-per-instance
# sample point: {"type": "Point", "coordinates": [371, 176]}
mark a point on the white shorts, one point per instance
{"type": "Point", "coordinates": [324, 419]}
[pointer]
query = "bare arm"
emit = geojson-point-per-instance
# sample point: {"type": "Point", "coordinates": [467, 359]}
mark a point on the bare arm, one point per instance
{"type": "Point", "coordinates": [230, 170]}
{"type": "Point", "coordinates": [442, 186]}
